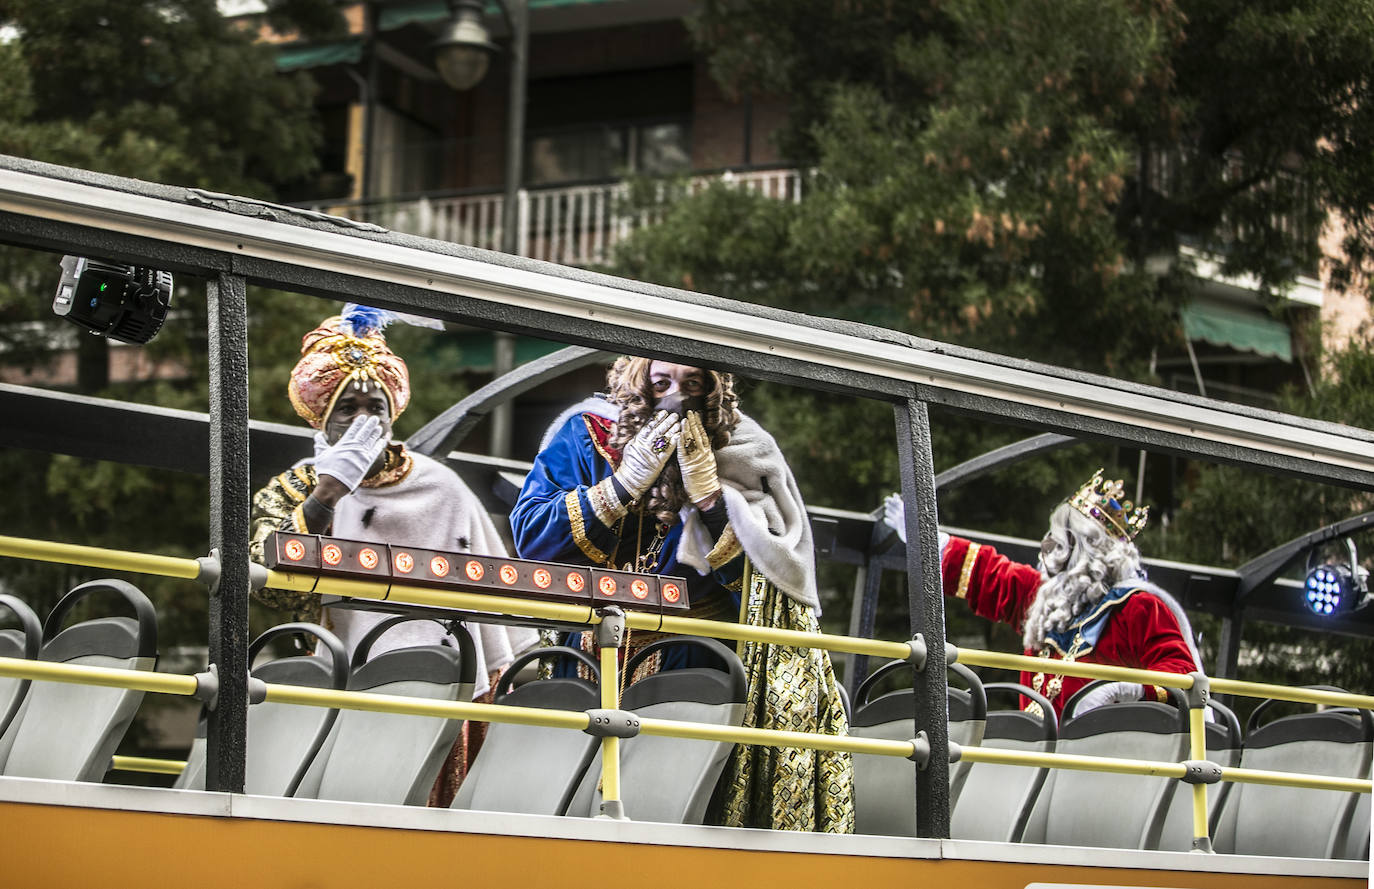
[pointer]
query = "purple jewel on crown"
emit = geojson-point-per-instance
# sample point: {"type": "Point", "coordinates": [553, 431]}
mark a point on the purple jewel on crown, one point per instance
{"type": "Point", "coordinates": [1102, 501]}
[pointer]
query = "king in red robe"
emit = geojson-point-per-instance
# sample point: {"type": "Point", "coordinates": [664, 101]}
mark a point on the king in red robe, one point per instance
{"type": "Point", "coordinates": [1133, 625]}
{"type": "Point", "coordinates": [1087, 601]}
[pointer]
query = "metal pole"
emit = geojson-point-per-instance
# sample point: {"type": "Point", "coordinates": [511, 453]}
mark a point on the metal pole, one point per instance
{"type": "Point", "coordinates": [366, 188]}
{"type": "Point", "coordinates": [1228, 650]}
{"type": "Point", "coordinates": [503, 343]}
{"type": "Point", "coordinates": [227, 738]}
{"type": "Point", "coordinates": [917, 463]}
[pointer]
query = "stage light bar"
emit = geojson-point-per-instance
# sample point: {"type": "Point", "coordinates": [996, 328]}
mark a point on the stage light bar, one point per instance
{"type": "Point", "coordinates": [335, 557]}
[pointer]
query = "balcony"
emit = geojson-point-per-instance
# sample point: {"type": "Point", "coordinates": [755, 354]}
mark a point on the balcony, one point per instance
{"type": "Point", "coordinates": [575, 225]}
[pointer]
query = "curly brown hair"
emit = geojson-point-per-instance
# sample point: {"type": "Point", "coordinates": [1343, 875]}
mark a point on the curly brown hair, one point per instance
{"type": "Point", "coordinates": [629, 386]}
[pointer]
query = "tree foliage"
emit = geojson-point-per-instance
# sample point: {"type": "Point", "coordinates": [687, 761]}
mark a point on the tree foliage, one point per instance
{"type": "Point", "coordinates": [166, 91]}
{"type": "Point", "coordinates": [1037, 179]}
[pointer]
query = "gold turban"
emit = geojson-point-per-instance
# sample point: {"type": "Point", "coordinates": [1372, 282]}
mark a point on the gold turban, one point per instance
{"type": "Point", "coordinates": [332, 357]}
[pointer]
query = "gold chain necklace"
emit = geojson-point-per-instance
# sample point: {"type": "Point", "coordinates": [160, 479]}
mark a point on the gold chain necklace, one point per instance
{"type": "Point", "coordinates": [1056, 682]}
{"type": "Point", "coordinates": [646, 560]}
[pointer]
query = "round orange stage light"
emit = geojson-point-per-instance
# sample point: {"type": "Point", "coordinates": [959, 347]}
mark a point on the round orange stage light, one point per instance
{"type": "Point", "coordinates": [368, 558]}
{"type": "Point", "coordinates": [542, 578]}
{"type": "Point", "coordinates": [295, 550]}
{"type": "Point", "coordinates": [438, 566]}
{"type": "Point", "coordinates": [671, 593]}
{"type": "Point", "coordinates": [575, 582]}
{"type": "Point", "coordinates": [404, 562]}
{"type": "Point", "coordinates": [639, 589]}
{"type": "Point", "coordinates": [474, 570]}
{"type": "Point", "coordinates": [606, 585]}
{"type": "Point", "coordinates": [509, 575]}
{"type": "Point", "coordinates": [331, 554]}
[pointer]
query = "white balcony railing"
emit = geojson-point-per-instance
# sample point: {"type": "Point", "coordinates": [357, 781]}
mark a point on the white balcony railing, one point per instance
{"type": "Point", "coordinates": [577, 225]}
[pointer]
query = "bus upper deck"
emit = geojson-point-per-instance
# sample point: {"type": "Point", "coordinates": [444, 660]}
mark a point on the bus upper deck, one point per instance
{"type": "Point", "coordinates": [232, 242]}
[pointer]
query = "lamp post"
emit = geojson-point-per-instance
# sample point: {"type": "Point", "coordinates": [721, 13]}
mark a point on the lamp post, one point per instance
{"type": "Point", "coordinates": [462, 54]}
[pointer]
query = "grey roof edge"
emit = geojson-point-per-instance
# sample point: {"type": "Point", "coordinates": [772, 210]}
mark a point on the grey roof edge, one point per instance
{"type": "Point", "coordinates": [305, 219]}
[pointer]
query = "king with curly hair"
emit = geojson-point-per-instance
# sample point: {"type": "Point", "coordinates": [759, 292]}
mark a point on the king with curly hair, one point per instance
{"type": "Point", "coordinates": [663, 474]}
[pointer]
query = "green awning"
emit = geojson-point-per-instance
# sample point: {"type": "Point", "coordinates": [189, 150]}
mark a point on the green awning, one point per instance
{"type": "Point", "coordinates": [340, 52]}
{"type": "Point", "coordinates": [1238, 328]}
{"type": "Point", "coordinates": [475, 350]}
{"type": "Point", "coordinates": [398, 15]}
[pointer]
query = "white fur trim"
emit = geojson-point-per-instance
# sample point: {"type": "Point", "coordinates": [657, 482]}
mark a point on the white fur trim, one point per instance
{"type": "Point", "coordinates": [766, 511]}
{"type": "Point", "coordinates": [595, 404]}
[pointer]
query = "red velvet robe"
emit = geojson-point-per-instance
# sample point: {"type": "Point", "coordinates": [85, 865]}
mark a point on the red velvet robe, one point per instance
{"type": "Point", "coordinates": [1142, 632]}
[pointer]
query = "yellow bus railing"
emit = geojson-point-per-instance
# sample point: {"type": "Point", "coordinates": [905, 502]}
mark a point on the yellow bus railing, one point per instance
{"type": "Point", "coordinates": [584, 614]}
{"type": "Point", "coordinates": [148, 764]}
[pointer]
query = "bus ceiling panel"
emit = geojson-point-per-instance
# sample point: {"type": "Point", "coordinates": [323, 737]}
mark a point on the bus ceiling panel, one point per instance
{"type": "Point", "coordinates": [136, 434]}
{"type": "Point", "coordinates": [281, 247]}
{"type": "Point", "coordinates": [1358, 623]}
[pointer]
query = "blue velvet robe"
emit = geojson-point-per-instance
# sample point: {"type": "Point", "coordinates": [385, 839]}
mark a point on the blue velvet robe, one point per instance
{"type": "Point", "coordinates": [553, 521]}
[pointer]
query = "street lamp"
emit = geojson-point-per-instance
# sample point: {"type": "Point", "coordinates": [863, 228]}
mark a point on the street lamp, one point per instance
{"type": "Point", "coordinates": [462, 54]}
{"type": "Point", "coordinates": [464, 49]}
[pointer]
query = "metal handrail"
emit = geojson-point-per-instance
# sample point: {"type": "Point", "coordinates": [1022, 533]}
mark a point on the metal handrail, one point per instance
{"type": "Point", "coordinates": [177, 684]}
{"type": "Point", "coordinates": [584, 614]}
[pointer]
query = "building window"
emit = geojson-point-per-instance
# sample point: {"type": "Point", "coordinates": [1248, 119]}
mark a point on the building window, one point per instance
{"type": "Point", "coordinates": [605, 126]}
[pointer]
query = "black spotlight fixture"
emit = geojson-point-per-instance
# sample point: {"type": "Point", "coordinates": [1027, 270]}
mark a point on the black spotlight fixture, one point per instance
{"type": "Point", "coordinates": [127, 303]}
{"type": "Point", "coordinates": [1334, 588]}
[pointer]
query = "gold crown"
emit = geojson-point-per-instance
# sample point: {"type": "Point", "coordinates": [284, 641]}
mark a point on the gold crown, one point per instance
{"type": "Point", "coordinates": [1102, 501]}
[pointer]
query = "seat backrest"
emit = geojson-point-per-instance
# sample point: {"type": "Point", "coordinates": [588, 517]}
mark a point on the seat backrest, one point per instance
{"type": "Point", "coordinates": [283, 739]}
{"type": "Point", "coordinates": [885, 786]}
{"type": "Point", "coordinates": [387, 757]}
{"type": "Point", "coordinates": [1315, 823]}
{"type": "Point", "coordinates": [1223, 748]}
{"type": "Point", "coordinates": [24, 642]}
{"type": "Point", "coordinates": [1357, 847]}
{"type": "Point", "coordinates": [671, 779]}
{"type": "Point", "coordinates": [1083, 808]}
{"type": "Point", "coordinates": [529, 768]}
{"type": "Point", "coordinates": [67, 731]}
{"type": "Point", "coordinates": [996, 800]}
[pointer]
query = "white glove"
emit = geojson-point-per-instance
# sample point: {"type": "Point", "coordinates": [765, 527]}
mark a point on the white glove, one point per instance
{"type": "Point", "coordinates": [894, 516]}
{"type": "Point", "coordinates": [1110, 693]}
{"type": "Point", "coordinates": [647, 453]}
{"type": "Point", "coordinates": [894, 513]}
{"type": "Point", "coordinates": [697, 460]}
{"type": "Point", "coordinates": [321, 444]}
{"type": "Point", "coordinates": [349, 458]}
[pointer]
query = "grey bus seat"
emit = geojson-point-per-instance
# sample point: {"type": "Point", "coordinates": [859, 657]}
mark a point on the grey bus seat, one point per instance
{"type": "Point", "coordinates": [66, 731]}
{"type": "Point", "coordinates": [996, 800]}
{"type": "Point", "coordinates": [1223, 748]}
{"type": "Point", "coordinates": [529, 768]}
{"type": "Point", "coordinates": [1085, 808]}
{"type": "Point", "coordinates": [885, 786]}
{"type": "Point", "coordinates": [389, 757]}
{"type": "Point", "coordinates": [283, 739]}
{"type": "Point", "coordinates": [1357, 847]}
{"type": "Point", "coordinates": [1315, 823]}
{"type": "Point", "coordinates": [671, 779]}
{"type": "Point", "coordinates": [25, 643]}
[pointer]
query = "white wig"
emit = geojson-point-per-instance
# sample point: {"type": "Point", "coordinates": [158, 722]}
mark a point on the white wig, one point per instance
{"type": "Point", "coordinates": [1079, 562]}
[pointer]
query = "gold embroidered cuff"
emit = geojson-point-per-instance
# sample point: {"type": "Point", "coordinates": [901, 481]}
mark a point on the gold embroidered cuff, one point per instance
{"type": "Point", "coordinates": [579, 530]}
{"type": "Point", "coordinates": [304, 483]}
{"type": "Point", "coordinates": [605, 503]}
{"type": "Point", "coordinates": [726, 548]}
{"type": "Point", "coordinates": [1161, 694]}
{"type": "Point", "coordinates": [966, 573]}
{"type": "Point", "coordinates": [297, 521]}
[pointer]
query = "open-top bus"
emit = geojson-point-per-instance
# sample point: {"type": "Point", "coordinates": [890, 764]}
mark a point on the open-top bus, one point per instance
{"type": "Point", "coordinates": [62, 832]}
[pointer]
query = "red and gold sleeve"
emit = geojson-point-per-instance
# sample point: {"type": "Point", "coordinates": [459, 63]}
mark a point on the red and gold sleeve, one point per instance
{"type": "Point", "coordinates": [994, 586]}
{"type": "Point", "coordinates": [1149, 631]}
